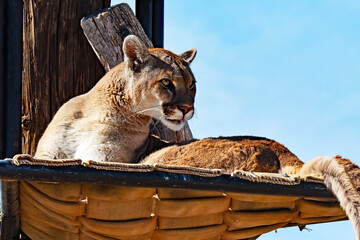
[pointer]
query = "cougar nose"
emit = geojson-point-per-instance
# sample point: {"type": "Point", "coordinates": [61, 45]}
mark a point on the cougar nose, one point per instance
{"type": "Point", "coordinates": [185, 109]}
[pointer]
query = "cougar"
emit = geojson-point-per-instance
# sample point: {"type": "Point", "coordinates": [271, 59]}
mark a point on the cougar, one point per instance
{"type": "Point", "coordinates": [257, 154]}
{"type": "Point", "coordinates": [111, 121]}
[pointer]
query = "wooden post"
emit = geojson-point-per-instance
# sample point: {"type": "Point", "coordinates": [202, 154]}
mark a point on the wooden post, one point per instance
{"type": "Point", "coordinates": [10, 108]}
{"type": "Point", "coordinates": [58, 62]}
{"type": "Point", "coordinates": [150, 14]}
{"type": "Point", "coordinates": [106, 31]}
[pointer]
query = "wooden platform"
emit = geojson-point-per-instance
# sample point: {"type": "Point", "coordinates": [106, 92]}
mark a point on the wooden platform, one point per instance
{"type": "Point", "coordinates": [85, 200]}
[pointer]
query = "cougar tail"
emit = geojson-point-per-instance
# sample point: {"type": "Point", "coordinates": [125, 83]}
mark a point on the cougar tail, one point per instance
{"type": "Point", "coordinates": [342, 178]}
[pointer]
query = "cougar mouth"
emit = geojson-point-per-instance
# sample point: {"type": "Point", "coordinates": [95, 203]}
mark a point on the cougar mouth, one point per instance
{"type": "Point", "coordinates": [174, 124]}
{"type": "Point", "coordinates": [177, 121]}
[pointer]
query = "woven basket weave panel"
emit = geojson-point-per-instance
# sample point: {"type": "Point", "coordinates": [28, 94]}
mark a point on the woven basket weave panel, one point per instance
{"type": "Point", "coordinates": [190, 222]}
{"type": "Point", "coordinates": [119, 210]}
{"type": "Point", "coordinates": [166, 193]}
{"type": "Point", "coordinates": [237, 205]}
{"type": "Point", "coordinates": [62, 207]}
{"type": "Point", "coordinates": [86, 234]}
{"type": "Point", "coordinates": [329, 200]}
{"type": "Point", "coordinates": [202, 233]}
{"type": "Point", "coordinates": [261, 198]}
{"type": "Point", "coordinates": [250, 232]}
{"type": "Point", "coordinates": [48, 229]}
{"type": "Point", "coordinates": [112, 193]}
{"type": "Point", "coordinates": [125, 213]}
{"type": "Point", "coordinates": [121, 229]}
{"type": "Point", "coordinates": [68, 192]}
{"type": "Point", "coordinates": [30, 213]}
{"type": "Point", "coordinates": [75, 211]}
{"type": "Point", "coordinates": [191, 207]}
{"type": "Point", "coordinates": [304, 221]}
{"type": "Point", "coordinates": [36, 234]}
{"type": "Point", "coordinates": [323, 209]}
{"type": "Point", "coordinates": [255, 219]}
{"type": "Point", "coordinates": [27, 203]}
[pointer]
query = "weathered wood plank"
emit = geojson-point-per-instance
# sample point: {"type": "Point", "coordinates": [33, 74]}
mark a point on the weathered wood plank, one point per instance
{"type": "Point", "coordinates": [10, 109]}
{"type": "Point", "coordinates": [105, 32]}
{"type": "Point", "coordinates": [58, 62]}
{"type": "Point", "coordinates": [9, 209]}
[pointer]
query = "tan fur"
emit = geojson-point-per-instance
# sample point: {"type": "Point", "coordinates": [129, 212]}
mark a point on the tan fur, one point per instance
{"type": "Point", "coordinates": [342, 178]}
{"type": "Point", "coordinates": [112, 120]}
{"type": "Point", "coordinates": [256, 154]}
{"type": "Point", "coordinates": [230, 154]}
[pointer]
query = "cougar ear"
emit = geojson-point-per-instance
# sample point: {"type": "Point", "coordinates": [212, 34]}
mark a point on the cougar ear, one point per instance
{"type": "Point", "coordinates": [189, 55]}
{"type": "Point", "coordinates": [135, 52]}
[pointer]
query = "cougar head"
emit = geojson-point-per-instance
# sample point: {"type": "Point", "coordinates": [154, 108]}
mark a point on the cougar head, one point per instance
{"type": "Point", "coordinates": [161, 84]}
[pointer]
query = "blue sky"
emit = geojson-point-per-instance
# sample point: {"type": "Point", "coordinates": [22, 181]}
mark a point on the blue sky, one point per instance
{"type": "Point", "coordinates": [286, 70]}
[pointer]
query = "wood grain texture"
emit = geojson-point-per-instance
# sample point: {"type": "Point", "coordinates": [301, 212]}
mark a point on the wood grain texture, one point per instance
{"type": "Point", "coordinates": [58, 62]}
{"type": "Point", "coordinates": [10, 209]}
{"type": "Point", "coordinates": [106, 31]}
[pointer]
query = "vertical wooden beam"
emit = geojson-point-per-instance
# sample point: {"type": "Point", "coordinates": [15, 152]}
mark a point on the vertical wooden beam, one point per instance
{"type": "Point", "coordinates": [11, 62]}
{"type": "Point", "coordinates": [58, 61]}
{"type": "Point", "coordinates": [158, 23]}
{"type": "Point", "coordinates": [150, 14]}
{"type": "Point", "coordinates": [144, 13]}
{"type": "Point", "coordinates": [2, 79]}
{"type": "Point", "coordinates": [10, 218]}
{"type": "Point", "coordinates": [10, 110]}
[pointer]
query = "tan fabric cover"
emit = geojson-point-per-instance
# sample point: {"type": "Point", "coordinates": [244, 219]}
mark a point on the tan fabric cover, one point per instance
{"type": "Point", "coordinates": [165, 193]}
{"type": "Point", "coordinates": [250, 232]}
{"type": "Point", "coordinates": [309, 209]}
{"type": "Point", "coordinates": [237, 205]}
{"type": "Point", "coordinates": [334, 200]}
{"type": "Point", "coordinates": [49, 230]}
{"type": "Point", "coordinates": [86, 234]}
{"type": "Point", "coordinates": [119, 210]}
{"type": "Point", "coordinates": [33, 214]}
{"type": "Point", "coordinates": [120, 229]}
{"type": "Point", "coordinates": [190, 222]}
{"type": "Point", "coordinates": [211, 232]}
{"type": "Point", "coordinates": [304, 221]}
{"type": "Point", "coordinates": [105, 192]}
{"type": "Point", "coordinates": [95, 212]}
{"type": "Point", "coordinates": [43, 217]}
{"type": "Point", "coordinates": [98, 212]}
{"type": "Point", "coordinates": [61, 207]}
{"type": "Point", "coordinates": [64, 192]}
{"type": "Point", "coordinates": [52, 218]}
{"type": "Point", "coordinates": [261, 198]}
{"type": "Point", "coordinates": [35, 233]}
{"type": "Point", "coordinates": [255, 219]}
{"type": "Point", "coordinates": [191, 207]}
{"type": "Point", "coordinates": [30, 205]}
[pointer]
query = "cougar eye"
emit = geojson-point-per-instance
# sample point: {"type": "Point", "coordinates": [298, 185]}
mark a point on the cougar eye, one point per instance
{"type": "Point", "coordinates": [192, 85]}
{"type": "Point", "coordinates": [167, 84]}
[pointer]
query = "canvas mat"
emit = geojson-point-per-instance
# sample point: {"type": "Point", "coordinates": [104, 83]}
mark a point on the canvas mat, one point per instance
{"type": "Point", "coordinates": [87, 211]}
